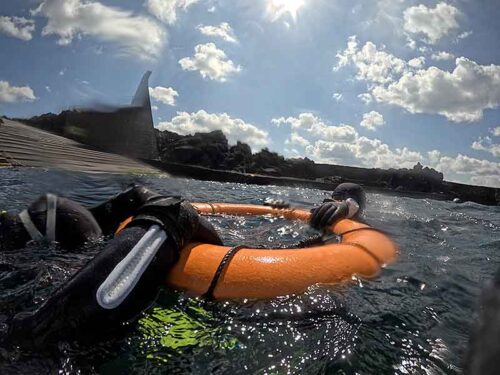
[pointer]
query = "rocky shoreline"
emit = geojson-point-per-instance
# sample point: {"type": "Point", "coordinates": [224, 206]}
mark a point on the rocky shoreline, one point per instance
{"type": "Point", "coordinates": [208, 174]}
{"type": "Point", "coordinates": [208, 156]}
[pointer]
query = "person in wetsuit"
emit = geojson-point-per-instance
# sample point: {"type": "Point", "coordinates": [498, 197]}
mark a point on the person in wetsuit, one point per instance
{"type": "Point", "coordinates": [348, 201]}
{"type": "Point", "coordinates": [76, 311]}
{"type": "Point", "coordinates": [61, 220]}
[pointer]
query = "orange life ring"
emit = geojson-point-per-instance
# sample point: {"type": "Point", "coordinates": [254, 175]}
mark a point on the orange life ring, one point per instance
{"type": "Point", "coordinates": [267, 273]}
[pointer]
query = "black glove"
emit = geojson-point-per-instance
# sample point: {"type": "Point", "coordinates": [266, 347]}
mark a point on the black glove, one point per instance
{"type": "Point", "coordinates": [328, 213]}
{"type": "Point", "coordinates": [178, 218]}
{"type": "Point", "coordinates": [125, 204]}
{"type": "Point", "coordinates": [206, 233]}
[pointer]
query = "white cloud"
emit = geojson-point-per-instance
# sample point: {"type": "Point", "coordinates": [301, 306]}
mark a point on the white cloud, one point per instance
{"type": "Point", "coordinates": [223, 30]}
{"type": "Point", "coordinates": [337, 96]}
{"type": "Point", "coordinates": [235, 129]}
{"type": "Point", "coordinates": [134, 35]}
{"type": "Point", "coordinates": [296, 139]}
{"type": "Point", "coordinates": [442, 55]}
{"type": "Point", "coordinates": [372, 64]}
{"type": "Point", "coordinates": [365, 98]}
{"type": "Point", "coordinates": [364, 152]}
{"type": "Point", "coordinates": [463, 168]}
{"type": "Point", "coordinates": [410, 42]}
{"type": "Point", "coordinates": [492, 181]}
{"type": "Point", "coordinates": [496, 131]}
{"type": "Point", "coordinates": [417, 62]}
{"type": "Point", "coordinates": [17, 27]}
{"type": "Point", "coordinates": [425, 49]}
{"type": "Point", "coordinates": [342, 144]}
{"type": "Point", "coordinates": [464, 35]}
{"type": "Point", "coordinates": [434, 23]}
{"type": "Point", "coordinates": [318, 128]}
{"type": "Point", "coordinates": [12, 94]}
{"type": "Point", "coordinates": [347, 147]}
{"type": "Point", "coordinates": [372, 120]}
{"type": "Point", "coordinates": [211, 62]}
{"type": "Point", "coordinates": [461, 95]}
{"type": "Point", "coordinates": [165, 95]}
{"type": "Point", "coordinates": [279, 8]}
{"type": "Point", "coordinates": [166, 10]}
{"type": "Point", "coordinates": [486, 144]}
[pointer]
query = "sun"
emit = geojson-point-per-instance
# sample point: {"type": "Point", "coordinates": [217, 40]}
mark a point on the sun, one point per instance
{"type": "Point", "coordinates": [278, 8]}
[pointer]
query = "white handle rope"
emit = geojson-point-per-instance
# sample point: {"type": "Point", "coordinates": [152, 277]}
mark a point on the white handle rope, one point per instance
{"type": "Point", "coordinates": [50, 221]}
{"type": "Point", "coordinates": [122, 280]}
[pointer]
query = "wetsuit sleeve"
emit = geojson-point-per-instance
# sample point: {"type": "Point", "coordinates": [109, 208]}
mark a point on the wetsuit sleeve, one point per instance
{"type": "Point", "coordinates": [111, 213]}
{"type": "Point", "coordinates": [73, 312]}
{"type": "Point", "coordinates": [12, 233]}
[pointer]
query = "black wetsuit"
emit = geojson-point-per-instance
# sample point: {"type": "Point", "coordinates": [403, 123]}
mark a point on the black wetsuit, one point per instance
{"type": "Point", "coordinates": [73, 311]}
{"type": "Point", "coordinates": [75, 224]}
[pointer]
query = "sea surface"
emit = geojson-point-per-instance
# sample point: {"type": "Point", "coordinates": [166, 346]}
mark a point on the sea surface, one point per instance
{"type": "Point", "coordinates": [413, 319]}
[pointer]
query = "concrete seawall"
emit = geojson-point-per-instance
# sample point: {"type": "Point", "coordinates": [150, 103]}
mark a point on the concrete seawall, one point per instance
{"type": "Point", "coordinates": [25, 146]}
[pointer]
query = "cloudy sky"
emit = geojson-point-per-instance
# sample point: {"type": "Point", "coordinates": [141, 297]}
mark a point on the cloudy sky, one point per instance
{"type": "Point", "coordinates": [373, 83]}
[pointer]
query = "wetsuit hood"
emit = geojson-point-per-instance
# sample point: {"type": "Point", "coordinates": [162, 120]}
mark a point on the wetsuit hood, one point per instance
{"type": "Point", "coordinates": [350, 190]}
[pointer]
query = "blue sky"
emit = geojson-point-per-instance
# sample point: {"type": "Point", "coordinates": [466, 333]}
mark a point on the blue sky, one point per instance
{"type": "Point", "coordinates": [381, 83]}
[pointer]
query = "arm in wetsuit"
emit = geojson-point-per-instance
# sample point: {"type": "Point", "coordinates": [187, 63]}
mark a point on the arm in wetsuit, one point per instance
{"type": "Point", "coordinates": [74, 313]}
{"type": "Point", "coordinates": [74, 225]}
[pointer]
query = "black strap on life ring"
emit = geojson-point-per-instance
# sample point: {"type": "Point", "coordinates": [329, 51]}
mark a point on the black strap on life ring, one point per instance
{"type": "Point", "coordinates": [312, 241]}
{"type": "Point", "coordinates": [364, 228]}
{"type": "Point", "coordinates": [214, 211]}
{"type": "Point", "coordinates": [362, 247]}
{"type": "Point", "coordinates": [222, 265]}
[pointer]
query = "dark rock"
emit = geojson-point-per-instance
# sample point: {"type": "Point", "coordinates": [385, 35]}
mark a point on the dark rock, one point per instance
{"type": "Point", "coordinates": [202, 149]}
{"type": "Point", "coordinates": [239, 158]}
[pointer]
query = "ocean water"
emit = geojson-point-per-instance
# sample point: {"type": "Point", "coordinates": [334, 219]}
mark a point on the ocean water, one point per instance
{"type": "Point", "coordinates": [414, 319]}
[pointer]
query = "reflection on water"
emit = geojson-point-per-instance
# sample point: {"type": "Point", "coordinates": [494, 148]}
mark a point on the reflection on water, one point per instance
{"type": "Point", "coordinates": [415, 318]}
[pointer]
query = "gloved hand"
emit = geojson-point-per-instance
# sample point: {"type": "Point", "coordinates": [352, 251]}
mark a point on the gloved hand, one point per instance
{"type": "Point", "coordinates": [178, 218]}
{"type": "Point", "coordinates": [125, 204]}
{"type": "Point", "coordinates": [328, 213]}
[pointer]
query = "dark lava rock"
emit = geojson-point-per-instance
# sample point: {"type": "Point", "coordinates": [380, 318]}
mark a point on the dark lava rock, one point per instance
{"type": "Point", "coordinates": [202, 149]}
